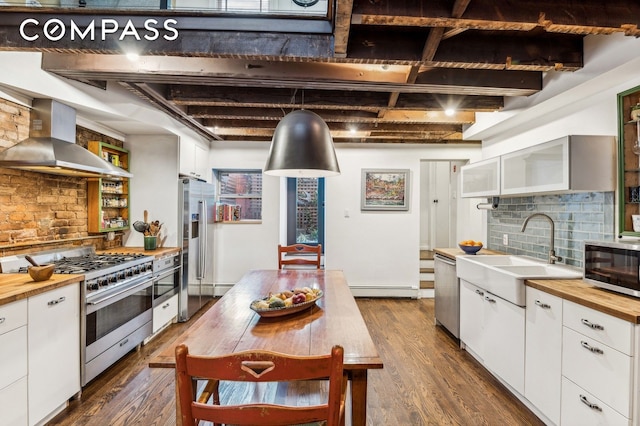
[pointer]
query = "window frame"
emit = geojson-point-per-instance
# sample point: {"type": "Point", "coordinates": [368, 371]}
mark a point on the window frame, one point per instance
{"type": "Point", "coordinates": [292, 212]}
{"type": "Point", "coordinates": [235, 196]}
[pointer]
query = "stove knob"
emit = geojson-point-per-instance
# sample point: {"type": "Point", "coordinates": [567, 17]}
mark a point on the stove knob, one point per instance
{"type": "Point", "coordinates": [130, 272]}
{"type": "Point", "coordinates": [136, 270]}
{"type": "Point", "coordinates": [150, 267]}
{"type": "Point", "coordinates": [113, 278]}
{"type": "Point", "coordinates": [102, 282]}
{"type": "Point", "coordinates": [121, 275]}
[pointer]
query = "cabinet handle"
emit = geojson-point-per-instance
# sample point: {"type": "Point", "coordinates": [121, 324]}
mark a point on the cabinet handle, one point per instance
{"type": "Point", "coordinates": [591, 325]}
{"type": "Point", "coordinates": [490, 300]}
{"type": "Point", "coordinates": [56, 301]}
{"type": "Point", "coordinates": [2, 320]}
{"type": "Point", "coordinates": [166, 305]}
{"type": "Point", "coordinates": [591, 405]}
{"type": "Point", "coordinates": [480, 292]}
{"type": "Point", "coordinates": [124, 342]}
{"type": "Point", "coordinates": [542, 305]}
{"type": "Point", "coordinates": [591, 348]}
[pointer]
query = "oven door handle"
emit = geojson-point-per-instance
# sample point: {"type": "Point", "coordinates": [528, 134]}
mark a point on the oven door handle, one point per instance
{"type": "Point", "coordinates": [133, 289]}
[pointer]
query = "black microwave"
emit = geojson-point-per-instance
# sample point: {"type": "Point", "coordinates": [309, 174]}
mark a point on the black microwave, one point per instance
{"type": "Point", "coordinates": [613, 265]}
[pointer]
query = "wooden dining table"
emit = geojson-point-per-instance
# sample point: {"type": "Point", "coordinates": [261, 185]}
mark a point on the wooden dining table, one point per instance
{"type": "Point", "coordinates": [231, 326]}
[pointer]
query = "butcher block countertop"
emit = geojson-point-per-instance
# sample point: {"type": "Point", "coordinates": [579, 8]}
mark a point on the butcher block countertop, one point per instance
{"type": "Point", "coordinates": [583, 293]}
{"type": "Point", "coordinates": [20, 286]}
{"type": "Point", "coordinates": [158, 253]}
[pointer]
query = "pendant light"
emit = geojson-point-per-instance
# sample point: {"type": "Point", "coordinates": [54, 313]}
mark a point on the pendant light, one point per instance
{"type": "Point", "coordinates": [302, 146]}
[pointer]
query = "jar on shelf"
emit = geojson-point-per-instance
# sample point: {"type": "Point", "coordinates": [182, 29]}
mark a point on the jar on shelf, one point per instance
{"type": "Point", "coordinates": [635, 112]}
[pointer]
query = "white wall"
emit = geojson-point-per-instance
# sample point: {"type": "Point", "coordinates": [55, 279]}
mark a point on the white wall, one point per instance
{"type": "Point", "coordinates": [579, 103]}
{"type": "Point", "coordinates": [154, 186]}
{"type": "Point", "coordinates": [378, 251]}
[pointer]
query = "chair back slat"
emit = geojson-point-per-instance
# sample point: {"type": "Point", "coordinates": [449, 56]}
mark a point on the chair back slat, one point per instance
{"type": "Point", "coordinates": [284, 253]}
{"type": "Point", "coordinates": [258, 366]}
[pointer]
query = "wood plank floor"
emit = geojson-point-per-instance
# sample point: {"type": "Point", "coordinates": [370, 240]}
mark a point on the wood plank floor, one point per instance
{"type": "Point", "coordinates": [426, 380]}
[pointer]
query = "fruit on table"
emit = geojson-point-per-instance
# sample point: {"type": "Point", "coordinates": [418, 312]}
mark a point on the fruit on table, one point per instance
{"type": "Point", "coordinates": [287, 298]}
{"type": "Point", "coordinates": [470, 243]}
{"type": "Point", "coordinates": [276, 303]}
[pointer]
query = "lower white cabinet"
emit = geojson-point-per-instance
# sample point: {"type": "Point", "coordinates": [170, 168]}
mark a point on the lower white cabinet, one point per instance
{"type": "Point", "coordinates": [13, 364]}
{"type": "Point", "coordinates": [543, 352]}
{"type": "Point", "coordinates": [494, 330]}
{"type": "Point", "coordinates": [165, 312]}
{"type": "Point", "coordinates": [13, 403]}
{"type": "Point", "coordinates": [581, 408]}
{"type": "Point", "coordinates": [54, 350]}
{"type": "Point", "coordinates": [590, 363]}
{"type": "Point", "coordinates": [504, 340]}
{"type": "Point", "coordinates": [472, 318]}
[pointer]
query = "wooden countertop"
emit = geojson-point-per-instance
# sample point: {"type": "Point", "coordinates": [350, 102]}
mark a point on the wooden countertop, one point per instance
{"type": "Point", "coordinates": [451, 253]}
{"type": "Point", "coordinates": [20, 286]}
{"type": "Point", "coordinates": [158, 253]}
{"type": "Point", "coordinates": [583, 293]}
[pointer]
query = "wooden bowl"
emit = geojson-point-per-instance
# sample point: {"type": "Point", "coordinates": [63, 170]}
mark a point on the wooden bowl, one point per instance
{"type": "Point", "coordinates": [42, 272]}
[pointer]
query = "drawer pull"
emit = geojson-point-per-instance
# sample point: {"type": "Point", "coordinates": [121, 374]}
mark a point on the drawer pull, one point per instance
{"type": "Point", "coordinates": [166, 305]}
{"type": "Point", "coordinates": [591, 405]}
{"type": "Point", "coordinates": [480, 292]}
{"type": "Point", "coordinates": [542, 305]}
{"type": "Point", "coordinates": [55, 302]}
{"type": "Point", "coordinates": [124, 342]}
{"type": "Point", "coordinates": [591, 348]}
{"type": "Point", "coordinates": [592, 325]}
{"type": "Point", "coordinates": [2, 320]}
{"type": "Point", "coordinates": [490, 300]}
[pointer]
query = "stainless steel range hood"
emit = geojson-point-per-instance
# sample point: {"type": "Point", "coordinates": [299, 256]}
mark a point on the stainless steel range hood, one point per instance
{"type": "Point", "coordinates": [51, 146]}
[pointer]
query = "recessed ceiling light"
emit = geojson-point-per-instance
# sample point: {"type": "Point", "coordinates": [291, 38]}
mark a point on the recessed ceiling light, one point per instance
{"type": "Point", "coordinates": [449, 112]}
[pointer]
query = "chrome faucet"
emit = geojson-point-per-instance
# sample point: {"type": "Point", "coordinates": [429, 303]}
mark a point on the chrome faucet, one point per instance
{"type": "Point", "coordinates": [552, 253]}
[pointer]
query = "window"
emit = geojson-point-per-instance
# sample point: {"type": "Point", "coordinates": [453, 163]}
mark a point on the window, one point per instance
{"type": "Point", "coordinates": [305, 211]}
{"type": "Point", "coordinates": [241, 188]}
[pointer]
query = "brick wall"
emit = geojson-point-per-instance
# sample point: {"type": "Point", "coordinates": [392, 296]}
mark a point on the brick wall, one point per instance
{"type": "Point", "coordinates": [40, 211]}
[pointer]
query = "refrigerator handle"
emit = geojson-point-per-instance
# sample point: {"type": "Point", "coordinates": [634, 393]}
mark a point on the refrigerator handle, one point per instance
{"type": "Point", "coordinates": [203, 239]}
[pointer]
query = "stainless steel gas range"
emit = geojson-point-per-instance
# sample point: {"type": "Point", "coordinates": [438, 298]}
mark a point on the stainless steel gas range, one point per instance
{"type": "Point", "coordinates": [116, 297]}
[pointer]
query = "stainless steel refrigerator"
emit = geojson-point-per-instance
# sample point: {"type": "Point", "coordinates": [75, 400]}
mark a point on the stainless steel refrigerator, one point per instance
{"type": "Point", "coordinates": [196, 200]}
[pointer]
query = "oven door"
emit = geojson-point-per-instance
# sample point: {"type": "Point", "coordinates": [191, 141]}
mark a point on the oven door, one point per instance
{"type": "Point", "coordinates": [613, 268]}
{"type": "Point", "coordinates": [113, 315]}
{"type": "Point", "coordinates": [166, 284]}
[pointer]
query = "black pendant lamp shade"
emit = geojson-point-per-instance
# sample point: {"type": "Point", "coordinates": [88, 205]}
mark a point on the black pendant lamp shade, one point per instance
{"type": "Point", "coordinates": [302, 147]}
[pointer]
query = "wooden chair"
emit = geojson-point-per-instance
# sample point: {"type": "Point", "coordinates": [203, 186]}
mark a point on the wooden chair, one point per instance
{"type": "Point", "coordinates": [257, 366]}
{"type": "Point", "coordinates": [283, 251]}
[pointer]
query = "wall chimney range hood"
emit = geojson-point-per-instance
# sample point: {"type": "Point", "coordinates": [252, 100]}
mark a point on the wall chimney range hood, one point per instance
{"type": "Point", "coordinates": [51, 148]}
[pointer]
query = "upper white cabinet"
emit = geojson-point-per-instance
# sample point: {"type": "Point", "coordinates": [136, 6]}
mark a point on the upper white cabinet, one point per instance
{"type": "Point", "coordinates": [571, 163]}
{"type": "Point", "coordinates": [194, 161]}
{"type": "Point", "coordinates": [481, 179]}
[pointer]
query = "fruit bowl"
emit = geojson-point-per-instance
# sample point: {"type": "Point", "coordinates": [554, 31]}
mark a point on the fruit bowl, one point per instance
{"type": "Point", "coordinates": [285, 310]}
{"type": "Point", "coordinates": [470, 249]}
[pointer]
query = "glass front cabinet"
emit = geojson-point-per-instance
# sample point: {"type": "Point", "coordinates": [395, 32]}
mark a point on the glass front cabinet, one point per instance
{"type": "Point", "coordinates": [629, 162]}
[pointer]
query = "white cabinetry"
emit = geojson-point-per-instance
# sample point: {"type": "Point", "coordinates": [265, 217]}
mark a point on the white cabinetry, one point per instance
{"type": "Point", "coordinates": [13, 363]}
{"type": "Point", "coordinates": [543, 352]}
{"type": "Point", "coordinates": [165, 313]}
{"type": "Point", "coordinates": [504, 340]}
{"type": "Point", "coordinates": [472, 317]}
{"type": "Point", "coordinates": [597, 359]}
{"type": "Point", "coordinates": [194, 161]}
{"type": "Point", "coordinates": [494, 331]}
{"type": "Point", "coordinates": [481, 179]}
{"type": "Point", "coordinates": [571, 163]}
{"type": "Point", "coordinates": [54, 350]}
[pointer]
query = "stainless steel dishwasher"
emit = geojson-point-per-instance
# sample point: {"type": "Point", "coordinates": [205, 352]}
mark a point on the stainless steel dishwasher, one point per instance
{"type": "Point", "coordinates": [447, 294]}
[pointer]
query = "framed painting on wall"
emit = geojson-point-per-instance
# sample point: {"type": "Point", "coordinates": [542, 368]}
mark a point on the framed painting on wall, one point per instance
{"type": "Point", "coordinates": [385, 189]}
